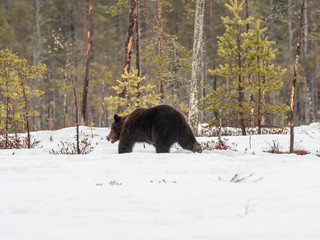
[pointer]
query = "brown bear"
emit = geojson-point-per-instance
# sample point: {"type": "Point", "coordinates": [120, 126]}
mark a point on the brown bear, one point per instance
{"type": "Point", "coordinates": [160, 126]}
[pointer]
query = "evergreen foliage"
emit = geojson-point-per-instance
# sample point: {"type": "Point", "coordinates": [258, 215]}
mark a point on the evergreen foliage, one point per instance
{"type": "Point", "coordinates": [266, 76]}
{"type": "Point", "coordinates": [23, 25]}
{"type": "Point", "coordinates": [256, 54]}
{"type": "Point", "coordinates": [15, 81]}
{"type": "Point", "coordinates": [231, 98]}
{"type": "Point", "coordinates": [138, 94]}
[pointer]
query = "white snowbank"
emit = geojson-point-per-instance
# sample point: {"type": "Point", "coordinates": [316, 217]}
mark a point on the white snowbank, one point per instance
{"type": "Point", "coordinates": [144, 195]}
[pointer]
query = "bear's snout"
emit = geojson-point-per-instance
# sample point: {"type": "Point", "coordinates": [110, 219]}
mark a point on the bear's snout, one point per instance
{"type": "Point", "coordinates": [197, 147]}
{"type": "Point", "coordinates": [111, 138]}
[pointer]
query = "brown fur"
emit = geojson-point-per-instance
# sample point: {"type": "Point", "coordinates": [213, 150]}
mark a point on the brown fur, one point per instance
{"type": "Point", "coordinates": [160, 126]}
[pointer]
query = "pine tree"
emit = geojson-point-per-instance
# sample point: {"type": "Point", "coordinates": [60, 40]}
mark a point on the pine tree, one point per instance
{"type": "Point", "coordinates": [15, 76]}
{"type": "Point", "coordinates": [255, 53]}
{"type": "Point", "coordinates": [230, 100]}
{"type": "Point", "coordinates": [136, 95]}
{"type": "Point", "coordinates": [267, 76]}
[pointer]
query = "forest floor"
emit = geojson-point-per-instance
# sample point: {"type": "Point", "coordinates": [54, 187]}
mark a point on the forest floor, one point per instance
{"type": "Point", "coordinates": [244, 194]}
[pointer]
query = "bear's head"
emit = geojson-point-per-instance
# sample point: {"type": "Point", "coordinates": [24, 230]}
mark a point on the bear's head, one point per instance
{"type": "Point", "coordinates": [115, 131]}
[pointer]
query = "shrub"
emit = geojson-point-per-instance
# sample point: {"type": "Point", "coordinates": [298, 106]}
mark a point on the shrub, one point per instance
{"type": "Point", "coordinates": [70, 148]}
{"type": "Point", "coordinates": [17, 142]}
{"type": "Point", "coordinates": [232, 131]}
{"type": "Point", "coordinates": [220, 144]}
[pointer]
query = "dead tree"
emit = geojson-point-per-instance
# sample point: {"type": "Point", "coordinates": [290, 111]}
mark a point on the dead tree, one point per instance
{"type": "Point", "coordinates": [86, 77]}
{"type": "Point", "coordinates": [295, 72]}
{"type": "Point", "coordinates": [137, 41]}
{"type": "Point", "coordinates": [212, 27]}
{"type": "Point", "coordinates": [130, 40]}
{"type": "Point", "coordinates": [160, 49]}
{"type": "Point", "coordinates": [68, 74]}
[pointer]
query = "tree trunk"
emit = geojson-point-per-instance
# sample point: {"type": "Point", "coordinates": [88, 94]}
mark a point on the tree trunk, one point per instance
{"type": "Point", "coordinates": [212, 27]}
{"type": "Point", "coordinates": [203, 77]}
{"type": "Point", "coordinates": [130, 40]}
{"type": "Point", "coordinates": [316, 83]}
{"type": "Point", "coordinates": [259, 97]}
{"type": "Point", "coordinates": [137, 40]}
{"type": "Point", "coordinates": [26, 108]}
{"type": "Point", "coordinates": [104, 122]}
{"type": "Point", "coordinates": [240, 90]}
{"type": "Point", "coordinates": [160, 49]}
{"type": "Point", "coordinates": [194, 88]}
{"type": "Point", "coordinates": [308, 80]}
{"type": "Point", "coordinates": [36, 55]}
{"type": "Point", "coordinates": [295, 72]}
{"type": "Point", "coordinates": [69, 71]}
{"type": "Point", "coordinates": [290, 29]}
{"type": "Point", "coordinates": [250, 77]}
{"type": "Point", "coordinates": [36, 35]}
{"type": "Point", "coordinates": [247, 14]}
{"type": "Point", "coordinates": [7, 109]}
{"type": "Point", "coordinates": [86, 76]}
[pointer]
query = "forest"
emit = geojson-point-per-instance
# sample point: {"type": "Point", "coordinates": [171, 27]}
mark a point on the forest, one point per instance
{"type": "Point", "coordinates": [80, 160]}
{"type": "Point", "coordinates": [235, 63]}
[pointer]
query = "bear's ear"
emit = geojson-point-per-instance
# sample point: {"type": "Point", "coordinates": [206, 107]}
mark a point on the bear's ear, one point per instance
{"type": "Point", "coordinates": [116, 118]}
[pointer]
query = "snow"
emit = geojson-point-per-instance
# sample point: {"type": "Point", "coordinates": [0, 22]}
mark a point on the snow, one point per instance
{"type": "Point", "coordinates": [144, 195]}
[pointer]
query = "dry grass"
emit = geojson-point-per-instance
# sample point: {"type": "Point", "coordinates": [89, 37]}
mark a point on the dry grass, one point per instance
{"type": "Point", "coordinates": [275, 148]}
{"type": "Point", "coordinates": [220, 144]}
{"type": "Point", "coordinates": [297, 152]}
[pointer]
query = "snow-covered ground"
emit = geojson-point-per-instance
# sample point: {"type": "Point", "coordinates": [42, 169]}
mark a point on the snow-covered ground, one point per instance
{"type": "Point", "coordinates": [149, 196]}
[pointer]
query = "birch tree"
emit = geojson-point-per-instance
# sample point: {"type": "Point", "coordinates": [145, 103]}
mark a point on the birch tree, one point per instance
{"type": "Point", "coordinates": [195, 72]}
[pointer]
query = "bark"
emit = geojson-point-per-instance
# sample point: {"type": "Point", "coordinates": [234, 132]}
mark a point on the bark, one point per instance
{"type": "Point", "coordinates": [259, 97]}
{"type": "Point", "coordinates": [36, 35]}
{"type": "Point", "coordinates": [88, 53]}
{"type": "Point", "coordinates": [308, 81]}
{"type": "Point", "coordinates": [104, 124]}
{"type": "Point", "coordinates": [290, 28]}
{"type": "Point", "coordinates": [213, 46]}
{"type": "Point", "coordinates": [247, 14]}
{"type": "Point", "coordinates": [317, 76]}
{"type": "Point", "coordinates": [36, 55]}
{"type": "Point", "coordinates": [7, 109]}
{"type": "Point", "coordinates": [203, 77]}
{"type": "Point", "coordinates": [69, 71]}
{"type": "Point", "coordinates": [137, 40]}
{"type": "Point", "coordinates": [174, 70]}
{"type": "Point", "coordinates": [240, 90]}
{"type": "Point", "coordinates": [250, 75]}
{"type": "Point", "coordinates": [295, 72]}
{"type": "Point", "coordinates": [160, 49]}
{"type": "Point", "coordinates": [26, 107]}
{"type": "Point", "coordinates": [130, 40]}
{"type": "Point", "coordinates": [194, 86]}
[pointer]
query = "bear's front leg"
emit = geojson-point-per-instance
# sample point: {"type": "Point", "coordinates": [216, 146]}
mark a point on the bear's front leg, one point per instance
{"type": "Point", "coordinates": [125, 145]}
